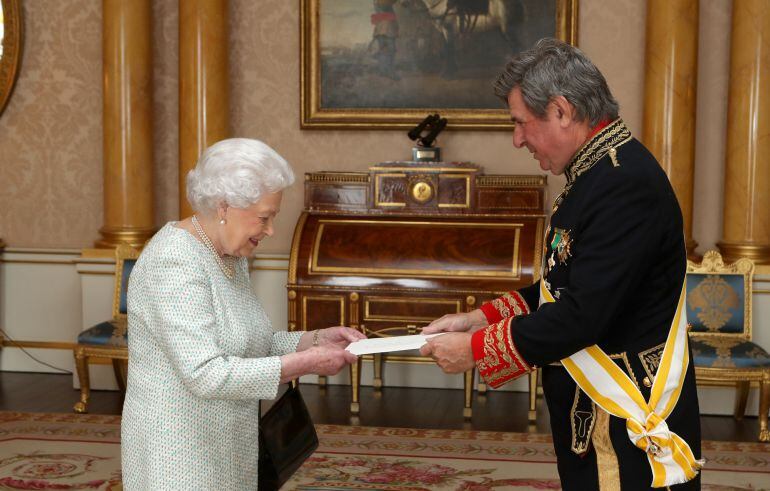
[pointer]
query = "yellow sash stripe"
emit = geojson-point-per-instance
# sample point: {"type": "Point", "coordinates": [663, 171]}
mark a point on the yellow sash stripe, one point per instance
{"type": "Point", "coordinates": [666, 361]}
{"type": "Point", "coordinates": [583, 381]}
{"type": "Point", "coordinates": [670, 457]}
{"type": "Point", "coordinates": [620, 377]}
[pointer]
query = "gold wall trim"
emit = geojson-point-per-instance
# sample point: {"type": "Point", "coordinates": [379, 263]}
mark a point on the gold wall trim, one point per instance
{"type": "Point", "coordinates": [36, 250]}
{"type": "Point", "coordinates": [513, 274]}
{"type": "Point", "coordinates": [270, 258]}
{"type": "Point", "coordinates": [33, 261]}
{"type": "Point", "coordinates": [269, 268]}
{"type": "Point", "coordinates": [39, 344]}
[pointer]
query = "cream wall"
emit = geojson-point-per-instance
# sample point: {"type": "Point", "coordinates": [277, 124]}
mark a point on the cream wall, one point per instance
{"type": "Point", "coordinates": [51, 132]}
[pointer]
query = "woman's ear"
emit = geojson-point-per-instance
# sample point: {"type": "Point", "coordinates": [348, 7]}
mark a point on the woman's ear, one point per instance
{"type": "Point", "coordinates": [222, 211]}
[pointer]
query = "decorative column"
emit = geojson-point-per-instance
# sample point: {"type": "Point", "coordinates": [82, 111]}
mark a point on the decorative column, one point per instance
{"type": "Point", "coordinates": [671, 72]}
{"type": "Point", "coordinates": [746, 226]}
{"type": "Point", "coordinates": [127, 121]}
{"type": "Point", "coordinates": [203, 84]}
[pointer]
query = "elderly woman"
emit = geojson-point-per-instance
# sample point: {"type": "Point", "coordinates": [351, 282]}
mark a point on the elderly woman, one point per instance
{"type": "Point", "coordinates": [202, 352]}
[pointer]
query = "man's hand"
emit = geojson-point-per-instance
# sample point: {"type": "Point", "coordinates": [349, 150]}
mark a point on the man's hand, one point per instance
{"type": "Point", "coordinates": [452, 352]}
{"type": "Point", "coordinates": [462, 322]}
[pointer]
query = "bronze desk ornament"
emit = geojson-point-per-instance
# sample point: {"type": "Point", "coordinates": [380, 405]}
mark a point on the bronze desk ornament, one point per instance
{"type": "Point", "coordinates": [424, 134]}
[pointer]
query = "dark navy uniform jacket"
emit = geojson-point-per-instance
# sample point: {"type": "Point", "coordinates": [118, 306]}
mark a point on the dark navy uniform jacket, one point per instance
{"type": "Point", "coordinates": [614, 258]}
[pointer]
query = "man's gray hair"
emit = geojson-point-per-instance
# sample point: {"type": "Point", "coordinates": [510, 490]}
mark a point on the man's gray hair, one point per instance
{"type": "Point", "coordinates": [553, 68]}
{"type": "Point", "coordinates": [236, 172]}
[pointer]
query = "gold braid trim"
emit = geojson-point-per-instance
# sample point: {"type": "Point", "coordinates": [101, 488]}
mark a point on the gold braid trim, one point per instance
{"type": "Point", "coordinates": [608, 139]}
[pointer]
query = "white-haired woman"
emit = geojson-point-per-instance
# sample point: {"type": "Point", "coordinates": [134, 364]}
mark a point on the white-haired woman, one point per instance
{"type": "Point", "coordinates": [202, 352]}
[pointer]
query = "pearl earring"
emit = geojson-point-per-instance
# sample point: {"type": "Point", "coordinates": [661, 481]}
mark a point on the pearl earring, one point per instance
{"type": "Point", "coordinates": [222, 221]}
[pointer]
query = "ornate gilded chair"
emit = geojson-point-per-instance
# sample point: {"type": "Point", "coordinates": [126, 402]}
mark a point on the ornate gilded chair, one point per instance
{"type": "Point", "coordinates": [719, 313]}
{"type": "Point", "coordinates": [107, 340]}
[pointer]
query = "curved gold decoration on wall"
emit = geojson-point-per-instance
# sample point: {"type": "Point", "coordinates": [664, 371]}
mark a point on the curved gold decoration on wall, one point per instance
{"type": "Point", "coordinates": [12, 47]}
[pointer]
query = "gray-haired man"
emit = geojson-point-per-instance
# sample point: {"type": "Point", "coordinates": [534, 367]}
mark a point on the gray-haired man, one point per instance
{"type": "Point", "coordinates": [598, 321]}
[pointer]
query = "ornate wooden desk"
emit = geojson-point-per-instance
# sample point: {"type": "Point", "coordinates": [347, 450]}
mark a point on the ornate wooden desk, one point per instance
{"type": "Point", "coordinates": [389, 250]}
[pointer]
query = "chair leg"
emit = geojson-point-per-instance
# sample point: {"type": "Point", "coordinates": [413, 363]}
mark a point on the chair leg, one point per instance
{"type": "Point", "coordinates": [81, 362]}
{"type": "Point", "coordinates": [468, 379]}
{"type": "Point", "coordinates": [533, 395]}
{"type": "Point", "coordinates": [764, 407]}
{"type": "Point", "coordinates": [741, 396]}
{"type": "Point", "coordinates": [355, 385]}
{"type": "Point", "coordinates": [377, 365]}
{"type": "Point", "coordinates": [120, 369]}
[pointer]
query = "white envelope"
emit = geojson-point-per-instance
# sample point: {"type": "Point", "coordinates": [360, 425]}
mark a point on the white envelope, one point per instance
{"type": "Point", "coordinates": [385, 345]}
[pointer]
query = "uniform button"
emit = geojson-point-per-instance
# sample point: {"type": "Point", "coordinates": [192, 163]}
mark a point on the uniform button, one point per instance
{"type": "Point", "coordinates": [647, 382]}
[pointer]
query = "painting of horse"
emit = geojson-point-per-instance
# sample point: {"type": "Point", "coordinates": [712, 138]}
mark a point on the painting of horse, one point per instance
{"type": "Point", "coordinates": [401, 55]}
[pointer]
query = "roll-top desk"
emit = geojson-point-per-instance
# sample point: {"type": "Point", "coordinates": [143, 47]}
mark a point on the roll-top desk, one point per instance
{"type": "Point", "coordinates": [389, 250]}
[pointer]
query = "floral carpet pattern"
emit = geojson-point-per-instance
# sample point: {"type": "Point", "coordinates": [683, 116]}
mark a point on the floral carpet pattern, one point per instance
{"type": "Point", "coordinates": [82, 452]}
{"type": "Point", "coordinates": [59, 451]}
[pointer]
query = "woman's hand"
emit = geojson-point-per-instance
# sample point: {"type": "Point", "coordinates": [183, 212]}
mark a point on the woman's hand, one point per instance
{"type": "Point", "coordinates": [320, 360]}
{"type": "Point", "coordinates": [329, 359]}
{"type": "Point", "coordinates": [339, 336]}
{"type": "Point", "coordinates": [462, 322]}
{"type": "Point", "coordinates": [332, 336]}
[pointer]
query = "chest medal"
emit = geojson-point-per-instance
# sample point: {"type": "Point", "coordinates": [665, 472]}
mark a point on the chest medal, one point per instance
{"type": "Point", "coordinates": [561, 245]}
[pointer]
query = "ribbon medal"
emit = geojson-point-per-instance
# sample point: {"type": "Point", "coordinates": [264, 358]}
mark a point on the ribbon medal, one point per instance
{"type": "Point", "coordinates": [561, 245]}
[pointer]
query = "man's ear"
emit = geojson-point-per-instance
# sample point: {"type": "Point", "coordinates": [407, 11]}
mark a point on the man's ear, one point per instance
{"type": "Point", "coordinates": [565, 112]}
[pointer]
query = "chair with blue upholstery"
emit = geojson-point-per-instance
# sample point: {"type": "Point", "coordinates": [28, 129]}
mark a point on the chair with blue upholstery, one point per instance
{"type": "Point", "coordinates": [107, 340]}
{"type": "Point", "coordinates": [719, 314]}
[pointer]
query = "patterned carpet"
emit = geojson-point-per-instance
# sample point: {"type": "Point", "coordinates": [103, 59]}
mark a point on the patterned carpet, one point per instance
{"type": "Point", "coordinates": [82, 452]}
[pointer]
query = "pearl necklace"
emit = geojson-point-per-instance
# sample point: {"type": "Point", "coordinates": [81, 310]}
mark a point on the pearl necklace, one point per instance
{"type": "Point", "coordinates": [227, 268]}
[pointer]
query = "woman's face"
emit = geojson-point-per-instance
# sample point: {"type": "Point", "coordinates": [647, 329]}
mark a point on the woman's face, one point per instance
{"type": "Point", "coordinates": [245, 227]}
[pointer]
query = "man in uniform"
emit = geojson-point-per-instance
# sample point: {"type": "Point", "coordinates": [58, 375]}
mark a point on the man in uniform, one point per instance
{"type": "Point", "coordinates": [385, 35]}
{"type": "Point", "coordinates": [613, 269]}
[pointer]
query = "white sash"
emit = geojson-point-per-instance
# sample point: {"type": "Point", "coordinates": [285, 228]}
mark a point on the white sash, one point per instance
{"type": "Point", "coordinates": [670, 457]}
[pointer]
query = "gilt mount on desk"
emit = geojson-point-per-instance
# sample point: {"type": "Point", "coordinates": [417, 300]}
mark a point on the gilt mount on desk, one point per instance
{"type": "Point", "coordinates": [424, 187]}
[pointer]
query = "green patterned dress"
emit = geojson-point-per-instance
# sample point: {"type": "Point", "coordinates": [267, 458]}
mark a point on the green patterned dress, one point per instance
{"type": "Point", "coordinates": [202, 354]}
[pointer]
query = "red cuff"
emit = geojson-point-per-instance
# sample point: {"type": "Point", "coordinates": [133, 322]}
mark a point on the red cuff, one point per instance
{"type": "Point", "coordinates": [509, 305]}
{"type": "Point", "coordinates": [496, 356]}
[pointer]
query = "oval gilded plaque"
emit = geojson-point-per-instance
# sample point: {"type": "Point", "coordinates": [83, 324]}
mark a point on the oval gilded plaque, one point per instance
{"type": "Point", "coordinates": [422, 191]}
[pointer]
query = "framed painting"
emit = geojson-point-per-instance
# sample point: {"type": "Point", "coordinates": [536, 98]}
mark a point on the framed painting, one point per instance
{"type": "Point", "coordinates": [386, 64]}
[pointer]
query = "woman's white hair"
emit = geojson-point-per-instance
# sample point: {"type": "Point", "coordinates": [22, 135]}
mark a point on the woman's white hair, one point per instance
{"type": "Point", "coordinates": [236, 172]}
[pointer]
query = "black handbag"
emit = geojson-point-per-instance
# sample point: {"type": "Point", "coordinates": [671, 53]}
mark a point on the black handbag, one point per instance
{"type": "Point", "coordinates": [287, 438]}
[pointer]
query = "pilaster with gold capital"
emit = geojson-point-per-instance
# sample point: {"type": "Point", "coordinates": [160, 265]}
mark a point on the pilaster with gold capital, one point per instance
{"type": "Point", "coordinates": [127, 129]}
{"type": "Point", "coordinates": [204, 109]}
{"type": "Point", "coordinates": [671, 71]}
{"type": "Point", "coordinates": [746, 222]}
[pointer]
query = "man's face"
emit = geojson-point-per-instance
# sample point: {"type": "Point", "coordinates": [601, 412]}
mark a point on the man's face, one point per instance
{"type": "Point", "coordinates": [546, 138]}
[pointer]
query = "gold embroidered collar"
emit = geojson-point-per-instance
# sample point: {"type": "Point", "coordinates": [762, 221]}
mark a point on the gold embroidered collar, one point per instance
{"type": "Point", "coordinates": [604, 142]}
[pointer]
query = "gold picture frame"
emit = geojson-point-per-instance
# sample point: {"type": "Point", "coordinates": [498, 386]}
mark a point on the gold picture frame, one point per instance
{"type": "Point", "coordinates": [342, 106]}
{"type": "Point", "coordinates": [10, 54]}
